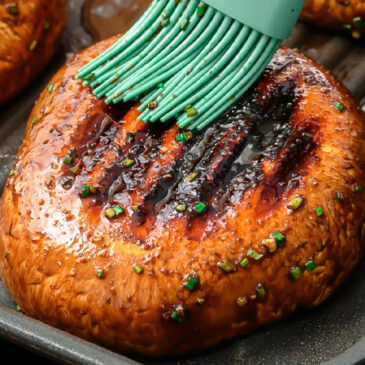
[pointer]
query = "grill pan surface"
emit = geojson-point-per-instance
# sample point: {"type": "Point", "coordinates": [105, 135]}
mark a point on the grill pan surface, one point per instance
{"type": "Point", "coordinates": [331, 334]}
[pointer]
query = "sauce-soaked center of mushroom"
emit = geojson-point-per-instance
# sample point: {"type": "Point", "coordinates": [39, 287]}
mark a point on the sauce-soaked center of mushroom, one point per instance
{"type": "Point", "coordinates": [158, 172]}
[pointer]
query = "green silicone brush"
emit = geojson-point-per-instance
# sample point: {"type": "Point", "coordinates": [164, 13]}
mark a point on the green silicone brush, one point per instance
{"type": "Point", "coordinates": [190, 60]}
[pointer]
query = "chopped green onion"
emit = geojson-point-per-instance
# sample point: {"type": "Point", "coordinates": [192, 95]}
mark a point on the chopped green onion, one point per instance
{"type": "Point", "coordinates": [175, 316]}
{"type": "Point", "coordinates": [279, 238]}
{"type": "Point", "coordinates": [260, 290]}
{"type": "Point", "coordinates": [34, 122]}
{"type": "Point", "coordinates": [128, 162]}
{"type": "Point", "coordinates": [191, 283]}
{"type": "Point", "coordinates": [227, 266]}
{"type": "Point", "coordinates": [339, 106]}
{"type": "Point", "coordinates": [358, 21]}
{"type": "Point", "coordinates": [347, 26]}
{"type": "Point", "coordinates": [295, 203]}
{"type": "Point", "coordinates": [296, 273]}
{"type": "Point", "coordinates": [87, 190]}
{"type": "Point", "coordinates": [357, 189]}
{"type": "Point", "coordinates": [12, 8]}
{"type": "Point", "coordinates": [183, 137]}
{"type": "Point", "coordinates": [244, 262]}
{"type": "Point", "coordinates": [161, 85]}
{"type": "Point", "coordinates": [191, 112]}
{"type": "Point", "coordinates": [192, 176]}
{"type": "Point", "coordinates": [201, 10]}
{"type": "Point", "coordinates": [200, 207]}
{"type": "Point", "coordinates": [50, 88]}
{"type": "Point", "coordinates": [11, 172]}
{"type": "Point", "coordinates": [68, 160]}
{"type": "Point", "coordinates": [255, 255]}
{"type": "Point", "coordinates": [242, 301]}
{"type": "Point", "coordinates": [33, 45]}
{"type": "Point", "coordinates": [165, 22]}
{"type": "Point", "coordinates": [46, 25]}
{"type": "Point", "coordinates": [75, 170]}
{"type": "Point", "coordinates": [138, 269]}
{"type": "Point", "coordinates": [271, 244]}
{"type": "Point", "coordinates": [181, 208]}
{"type": "Point", "coordinates": [319, 211]}
{"type": "Point", "coordinates": [114, 211]}
{"type": "Point", "coordinates": [99, 273]}
{"type": "Point", "coordinates": [18, 308]}
{"type": "Point", "coordinates": [185, 23]}
{"type": "Point", "coordinates": [340, 196]}
{"type": "Point", "coordinates": [310, 265]}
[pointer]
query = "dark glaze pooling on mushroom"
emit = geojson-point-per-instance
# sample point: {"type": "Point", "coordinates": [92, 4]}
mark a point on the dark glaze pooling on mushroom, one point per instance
{"type": "Point", "coordinates": [225, 157]}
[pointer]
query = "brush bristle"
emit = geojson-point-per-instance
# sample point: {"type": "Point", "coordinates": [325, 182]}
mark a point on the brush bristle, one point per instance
{"type": "Point", "coordinates": [181, 59]}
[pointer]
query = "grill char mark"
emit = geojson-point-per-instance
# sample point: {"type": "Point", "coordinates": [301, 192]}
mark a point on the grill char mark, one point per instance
{"type": "Point", "coordinates": [227, 155]}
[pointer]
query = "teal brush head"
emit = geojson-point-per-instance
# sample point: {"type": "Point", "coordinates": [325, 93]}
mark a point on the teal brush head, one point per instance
{"type": "Point", "coordinates": [191, 60]}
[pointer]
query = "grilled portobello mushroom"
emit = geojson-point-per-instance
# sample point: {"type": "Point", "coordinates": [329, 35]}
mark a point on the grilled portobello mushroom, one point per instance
{"type": "Point", "coordinates": [148, 239]}
{"type": "Point", "coordinates": [30, 33]}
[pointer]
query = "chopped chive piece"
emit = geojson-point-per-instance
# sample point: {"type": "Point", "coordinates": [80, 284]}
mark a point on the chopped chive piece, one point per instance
{"type": "Point", "coordinates": [181, 208]}
{"type": "Point", "coordinates": [114, 211]}
{"type": "Point", "coordinates": [260, 290]}
{"type": "Point", "coordinates": [118, 210]}
{"type": "Point", "coordinates": [296, 273]}
{"type": "Point", "coordinates": [161, 85]}
{"type": "Point", "coordinates": [128, 162]}
{"type": "Point", "coordinates": [191, 283]}
{"type": "Point", "coordinates": [200, 10]}
{"type": "Point", "coordinates": [46, 25]}
{"type": "Point", "coordinates": [11, 172]}
{"type": "Point", "coordinates": [175, 316]}
{"type": "Point", "coordinates": [110, 213]}
{"type": "Point", "coordinates": [165, 22]}
{"type": "Point", "coordinates": [339, 106]}
{"type": "Point", "coordinates": [192, 176]}
{"type": "Point", "coordinates": [242, 301]}
{"type": "Point", "coordinates": [183, 137]}
{"type": "Point", "coordinates": [227, 266]}
{"type": "Point", "coordinates": [340, 196]}
{"type": "Point", "coordinates": [356, 34]}
{"type": "Point", "coordinates": [185, 23]}
{"type": "Point", "coordinates": [75, 170]}
{"type": "Point", "coordinates": [33, 45]}
{"type": "Point", "coordinates": [87, 190]}
{"type": "Point", "coordinates": [50, 88]}
{"type": "Point", "coordinates": [310, 265]}
{"type": "Point", "coordinates": [138, 269]}
{"type": "Point", "coordinates": [99, 273]}
{"type": "Point", "coordinates": [295, 203]}
{"type": "Point", "coordinates": [244, 262]}
{"type": "Point", "coordinates": [357, 189]}
{"type": "Point", "coordinates": [358, 21]}
{"type": "Point", "coordinates": [347, 26]}
{"type": "Point", "coordinates": [319, 211]}
{"type": "Point", "coordinates": [68, 160]}
{"type": "Point", "coordinates": [34, 122]}
{"type": "Point", "coordinates": [191, 112]}
{"type": "Point", "coordinates": [18, 308]}
{"type": "Point", "coordinates": [271, 244]}
{"type": "Point", "coordinates": [200, 207]}
{"type": "Point", "coordinates": [255, 255]}
{"type": "Point", "coordinates": [12, 8]}
{"type": "Point", "coordinates": [279, 238]}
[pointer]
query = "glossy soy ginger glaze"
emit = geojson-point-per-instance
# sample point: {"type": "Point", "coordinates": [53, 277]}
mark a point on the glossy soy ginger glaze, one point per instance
{"type": "Point", "coordinates": [220, 233]}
